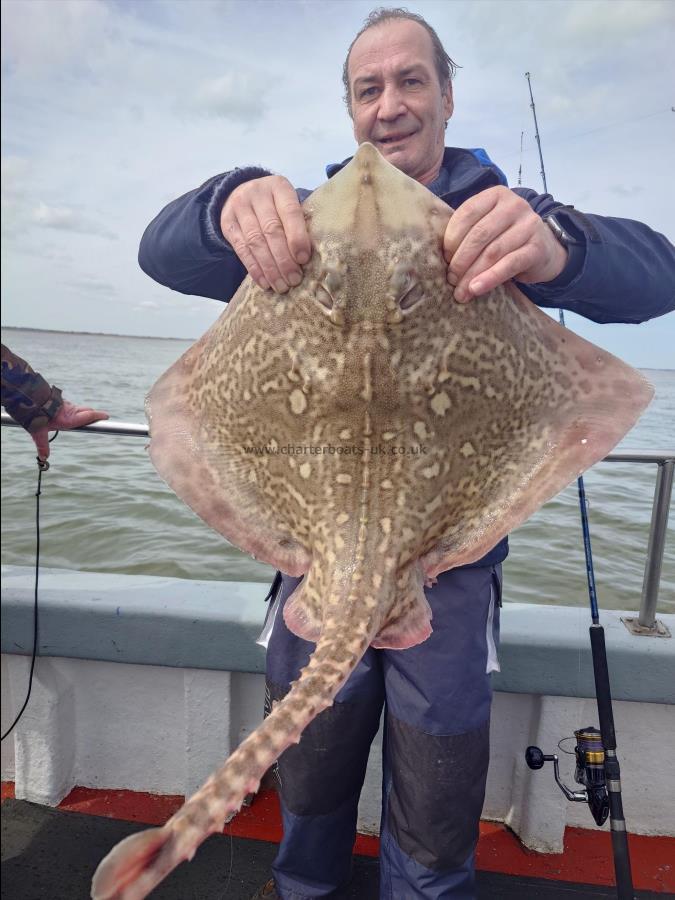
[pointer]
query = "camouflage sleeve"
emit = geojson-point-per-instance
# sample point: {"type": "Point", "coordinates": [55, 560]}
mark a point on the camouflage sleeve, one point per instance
{"type": "Point", "coordinates": [26, 396]}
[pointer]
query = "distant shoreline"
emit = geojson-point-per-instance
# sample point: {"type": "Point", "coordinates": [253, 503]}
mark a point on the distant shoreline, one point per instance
{"type": "Point", "coordinates": [141, 337]}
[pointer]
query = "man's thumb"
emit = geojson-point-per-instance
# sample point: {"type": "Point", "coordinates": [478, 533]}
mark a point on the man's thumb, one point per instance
{"type": "Point", "coordinates": [42, 444]}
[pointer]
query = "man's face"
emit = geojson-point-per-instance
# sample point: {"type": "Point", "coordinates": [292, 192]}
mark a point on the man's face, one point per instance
{"type": "Point", "coordinates": [397, 101]}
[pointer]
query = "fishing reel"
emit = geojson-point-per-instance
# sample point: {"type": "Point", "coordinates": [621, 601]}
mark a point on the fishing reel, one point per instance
{"type": "Point", "coordinates": [589, 772]}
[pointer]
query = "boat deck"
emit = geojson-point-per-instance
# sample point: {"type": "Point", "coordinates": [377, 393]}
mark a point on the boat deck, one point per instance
{"type": "Point", "coordinates": [52, 853]}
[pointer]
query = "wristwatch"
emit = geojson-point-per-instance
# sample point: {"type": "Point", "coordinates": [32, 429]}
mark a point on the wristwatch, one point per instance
{"type": "Point", "coordinates": [562, 236]}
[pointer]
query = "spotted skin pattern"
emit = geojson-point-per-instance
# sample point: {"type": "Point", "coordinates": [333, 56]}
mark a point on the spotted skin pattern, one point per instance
{"type": "Point", "coordinates": [368, 432]}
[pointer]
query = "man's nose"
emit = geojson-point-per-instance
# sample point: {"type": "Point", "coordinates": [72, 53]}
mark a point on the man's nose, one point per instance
{"type": "Point", "coordinates": [391, 104]}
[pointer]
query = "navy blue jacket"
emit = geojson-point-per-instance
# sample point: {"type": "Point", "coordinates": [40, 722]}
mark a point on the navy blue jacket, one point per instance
{"type": "Point", "coordinates": [618, 270]}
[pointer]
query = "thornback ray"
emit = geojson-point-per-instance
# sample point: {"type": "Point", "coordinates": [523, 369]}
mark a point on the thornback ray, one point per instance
{"type": "Point", "coordinates": [368, 432]}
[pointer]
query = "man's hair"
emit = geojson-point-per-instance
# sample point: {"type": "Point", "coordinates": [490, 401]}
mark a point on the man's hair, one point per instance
{"type": "Point", "coordinates": [445, 67]}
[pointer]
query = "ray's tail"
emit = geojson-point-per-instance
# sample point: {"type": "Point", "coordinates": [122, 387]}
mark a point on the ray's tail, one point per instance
{"type": "Point", "coordinates": [138, 863]}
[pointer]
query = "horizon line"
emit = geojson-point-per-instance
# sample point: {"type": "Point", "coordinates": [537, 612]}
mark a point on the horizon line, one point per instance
{"type": "Point", "coordinates": [153, 337]}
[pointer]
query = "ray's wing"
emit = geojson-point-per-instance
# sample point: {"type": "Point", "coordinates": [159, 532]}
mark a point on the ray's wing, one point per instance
{"type": "Point", "coordinates": [539, 407]}
{"type": "Point", "coordinates": [210, 449]}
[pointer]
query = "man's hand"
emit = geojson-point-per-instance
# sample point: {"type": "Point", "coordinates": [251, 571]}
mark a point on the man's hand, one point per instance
{"type": "Point", "coordinates": [494, 237]}
{"type": "Point", "coordinates": [263, 221]}
{"type": "Point", "coordinates": [69, 416]}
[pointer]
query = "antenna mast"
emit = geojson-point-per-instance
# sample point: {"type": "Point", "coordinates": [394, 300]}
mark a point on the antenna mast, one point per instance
{"type": "Point", "coordinates": [536, 133]}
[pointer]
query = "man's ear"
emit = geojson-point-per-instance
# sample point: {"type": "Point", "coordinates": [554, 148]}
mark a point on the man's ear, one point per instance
{"type": "Point", "coordinates": [448, 101]}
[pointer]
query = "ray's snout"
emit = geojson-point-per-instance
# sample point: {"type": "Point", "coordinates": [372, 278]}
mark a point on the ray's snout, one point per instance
{"type": "Point", "coordinates": [379, 240]}
{"type": "Point", "coordinates": [370, 163]}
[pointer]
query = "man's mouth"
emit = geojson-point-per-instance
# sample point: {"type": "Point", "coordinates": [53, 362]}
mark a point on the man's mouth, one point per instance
{"type": "Point", "coordinates": [395, 138]}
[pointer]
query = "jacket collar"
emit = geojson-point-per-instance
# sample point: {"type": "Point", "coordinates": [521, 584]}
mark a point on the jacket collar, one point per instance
{"type": "Point", "coordinates": [463, 174]}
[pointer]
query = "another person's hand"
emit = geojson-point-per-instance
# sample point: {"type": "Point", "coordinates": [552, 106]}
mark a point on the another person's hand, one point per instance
{"type": "Point", "coordinates": [69, 416]}
{"type": "Point", "coordinates": [263, 221]}
{"type": "Point", "coordinates": [496, 236]}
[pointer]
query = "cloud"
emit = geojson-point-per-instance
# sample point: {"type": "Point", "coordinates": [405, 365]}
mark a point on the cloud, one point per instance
{"type": "Point", "coordinates": [15, 172]}
{"type": "Point", "coordinates": [597, 21]}
{"type": "Point", "coordinates": [65, 218]}
{"type": "Point", "coordinates": [597, 44]}
{"type": "Point", "coordinates": [624, 191]}
{"type": "Point", "coordinates": [43, 35]}
{"type": "Point", "coordinates": [16, 186]}
{"type": "Point", "coordinates": [49, 252]}
{"type": "Point", "coordinates": [91, 285]}
{"type": "Point", "coordinates": [235, 95]}
{"type": "Point", "coordinates": [308, 133]}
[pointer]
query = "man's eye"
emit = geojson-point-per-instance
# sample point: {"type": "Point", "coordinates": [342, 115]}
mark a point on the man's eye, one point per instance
{"type": "Point", "coordinates": [413, 81]}
{"type": "Point", "coordinates": [367, 92]}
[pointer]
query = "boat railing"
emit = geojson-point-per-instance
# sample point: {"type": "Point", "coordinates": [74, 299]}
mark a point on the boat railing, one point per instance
{"type": "Point", "coordinates": [646, 623]}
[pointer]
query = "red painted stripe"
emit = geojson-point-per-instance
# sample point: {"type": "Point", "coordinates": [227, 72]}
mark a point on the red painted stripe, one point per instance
{"type": "Point", "coordinates": [133, 806]}
{"type": "Point", "coordinates": [587, 857]}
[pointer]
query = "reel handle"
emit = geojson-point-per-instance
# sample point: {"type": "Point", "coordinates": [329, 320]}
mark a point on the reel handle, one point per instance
{"type": "Point", "coordinates": [535, 758]}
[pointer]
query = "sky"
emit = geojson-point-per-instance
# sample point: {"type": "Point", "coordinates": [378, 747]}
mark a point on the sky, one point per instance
{"type": "Point", "coordinates": [112, 108]}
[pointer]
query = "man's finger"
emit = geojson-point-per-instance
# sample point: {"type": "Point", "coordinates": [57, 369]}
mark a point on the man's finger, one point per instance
{"type": "Point", "coordinates": [70, 415]}
{"type": "Point", "coordinates": [464, 218]}
{"type": "Point", "coordinates": [485, 237]}
{"type": "Point", "coordinates": [87, 417]}
{"type": "Point", "coordinates": [293, 221]}
{"type": "Point", "coordinates": [256, 242]}
{"type": "Point", "coordinates": [273, 228]}
{"type": "Point", "coordinates": [507, 268]}
{"type": "Point", "coordinates": [41, 440]}
{"type": "Point", "coordinates": [504, 243]}
{"type": "Point", "coordinates": [248, 260]}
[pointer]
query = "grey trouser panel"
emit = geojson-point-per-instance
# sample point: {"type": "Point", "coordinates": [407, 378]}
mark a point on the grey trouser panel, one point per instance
{"type": "Point", "coordinates": [435, 752]}
{"type": "Point", "coordinates": [436, 792]}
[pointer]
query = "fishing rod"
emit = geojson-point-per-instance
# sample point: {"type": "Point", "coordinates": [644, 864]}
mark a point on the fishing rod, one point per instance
{"type": "Point", "coordinates": [597, 765]}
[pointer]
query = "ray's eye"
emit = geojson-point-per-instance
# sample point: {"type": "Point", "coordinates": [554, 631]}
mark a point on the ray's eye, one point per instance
{"type": "Point", "coordinates": [332, 281]}
{"type": "Point", "coordinates": [323, 296]}
{"type": "Point", "coordinates": [411, 296]}
{"type": "Point", "coordinates": [327, 289]}
{"type": "Point", "coordinates": [407, 290]}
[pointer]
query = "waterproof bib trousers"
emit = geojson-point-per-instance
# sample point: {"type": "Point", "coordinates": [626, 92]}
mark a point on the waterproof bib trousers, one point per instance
{"type": "Point", "coordinates": [436, 698]}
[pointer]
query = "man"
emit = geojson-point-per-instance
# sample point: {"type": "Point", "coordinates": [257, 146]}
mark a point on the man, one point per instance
{"type": "Point", "coordinates": [38, 406]}
{"type": "Point", "coordinates": [399, 94]}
